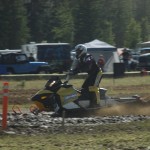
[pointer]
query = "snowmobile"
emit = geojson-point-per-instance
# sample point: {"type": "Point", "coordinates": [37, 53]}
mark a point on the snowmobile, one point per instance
{"type": "Point", "coordinates": [57, 96]}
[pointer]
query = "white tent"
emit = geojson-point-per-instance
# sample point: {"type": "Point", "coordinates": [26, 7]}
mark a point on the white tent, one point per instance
{"type": "Point", "coordinates": [99, 44]}
{"type": "Point", "coordinates": [97, 48]}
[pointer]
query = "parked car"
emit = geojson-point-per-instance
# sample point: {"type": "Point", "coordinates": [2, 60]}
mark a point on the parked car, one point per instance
{"type": "Point", "coordinates": [144, 62]}
{"type": "Point", "coordinates": [18, 63]}
{"type": "Point", "coordinates": [145, 50]}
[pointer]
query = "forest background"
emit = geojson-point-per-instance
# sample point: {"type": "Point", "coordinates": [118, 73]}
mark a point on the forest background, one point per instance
{"type": "Point", "coordinates": [122, 23]}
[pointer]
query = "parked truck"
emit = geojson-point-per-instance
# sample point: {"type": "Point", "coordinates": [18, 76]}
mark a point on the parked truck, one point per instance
{"type": "Point", "coordinates": [18, 63]}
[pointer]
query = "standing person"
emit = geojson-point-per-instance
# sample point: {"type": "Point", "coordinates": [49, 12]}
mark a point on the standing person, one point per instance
{"type": "Point", "coordinates": [125, 57]}
{"type": "Point", "coordinates": [101, 62]}
{"type": "Point", "coordinates": [31, 58]}
{"type": "Point", "coordinates": [85, 62]}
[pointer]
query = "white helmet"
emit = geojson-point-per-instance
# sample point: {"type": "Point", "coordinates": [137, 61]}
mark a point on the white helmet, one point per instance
{"type": "Point", "coordinates": [80, 50]}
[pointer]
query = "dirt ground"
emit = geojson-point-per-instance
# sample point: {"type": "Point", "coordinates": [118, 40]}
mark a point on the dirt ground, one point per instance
{"type": "Point", "coordinates": [117, 113]}
{"type": "Point", "coordinates": [116, 122]}
{"type": "Point", "coordinates": [21, 96]}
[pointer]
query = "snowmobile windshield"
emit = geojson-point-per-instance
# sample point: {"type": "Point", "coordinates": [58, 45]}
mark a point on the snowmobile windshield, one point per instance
{"type": "Point", "coordinates": [53, 84]}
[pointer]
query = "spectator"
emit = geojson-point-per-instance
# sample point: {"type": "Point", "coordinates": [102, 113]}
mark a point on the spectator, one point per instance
{"type": "Point", "coordinates": [101, 62]}
{"type": "Point", "coordinates": [31, 58]}
{"type": "Point", "coordinates": [126, 57]}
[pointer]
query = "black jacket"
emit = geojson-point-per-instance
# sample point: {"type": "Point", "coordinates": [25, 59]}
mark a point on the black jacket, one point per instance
{"type": "Point", "coordinates": [86, 64]}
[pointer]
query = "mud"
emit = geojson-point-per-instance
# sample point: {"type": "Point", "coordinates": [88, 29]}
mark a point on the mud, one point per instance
{"type": "Point", "coordinates": [29, 124]}
{"type": "Point", "coordinates": [43, 123]}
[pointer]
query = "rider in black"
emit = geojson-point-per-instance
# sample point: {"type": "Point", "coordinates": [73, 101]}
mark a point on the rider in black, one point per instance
{"type": "Point", "coordinates": [85, 62]}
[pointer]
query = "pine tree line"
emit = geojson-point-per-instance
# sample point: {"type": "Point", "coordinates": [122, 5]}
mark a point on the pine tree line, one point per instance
{"type": "Point", "coordinates": [123, 23]}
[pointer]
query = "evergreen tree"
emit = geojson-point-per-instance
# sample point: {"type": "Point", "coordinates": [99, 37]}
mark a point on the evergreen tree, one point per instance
{"type": "Point", "coordinates": [13, 24]}
{"type": "Point", "coordinates": [142, 15]}
{"type": "Point", "coordinates": [75, 22]}
{"type": "Point", "coordinates": [107, 34]}
{"type": "Point", "coordinates": [145, 29]}
{"type": "Point", "coordinates": [102, 20]}
{"type": "Point", "coordinates": [82, 21]}
{"type": "Point", "coordinates": [41, 16]}
{"type": "Point", "coordinates": [121, 19]}
{"type": "Point", "coordinates": [133, 34]}
{"type": "Point", "coordinates": [142, 9]}
{"type": "Point", "coordinates": [64, 29]}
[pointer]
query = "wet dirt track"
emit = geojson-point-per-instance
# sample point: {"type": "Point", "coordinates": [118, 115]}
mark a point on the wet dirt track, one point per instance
{"type": "Point", "coordinates": [28, 123]}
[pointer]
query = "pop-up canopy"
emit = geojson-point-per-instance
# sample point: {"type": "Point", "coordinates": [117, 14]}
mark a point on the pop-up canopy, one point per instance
{"type": "Point", "coordinates": [96, 44]}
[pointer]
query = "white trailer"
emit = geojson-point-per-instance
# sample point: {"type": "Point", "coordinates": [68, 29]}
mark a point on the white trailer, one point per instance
{"type": "Point", "coordinates": [10, 51]}
{"type": "Point", "coordinates": [40, 50]}
{"type": "Point", "coordinates": [56, 54]}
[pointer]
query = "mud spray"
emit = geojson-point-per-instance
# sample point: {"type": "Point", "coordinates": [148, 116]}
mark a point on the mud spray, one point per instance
{"type": "Point", "coordinates": [125, 109]}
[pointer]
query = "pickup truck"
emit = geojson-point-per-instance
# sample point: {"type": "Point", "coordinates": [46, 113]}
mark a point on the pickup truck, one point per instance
{"type": "Point", "coordinates": [18, 63]}
{"type": "Point", "coordinates": [144, 62]}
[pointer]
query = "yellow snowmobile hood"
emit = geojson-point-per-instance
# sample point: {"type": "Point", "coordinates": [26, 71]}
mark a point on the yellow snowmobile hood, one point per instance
{"type": "Point", "coordinates": [68, 95]}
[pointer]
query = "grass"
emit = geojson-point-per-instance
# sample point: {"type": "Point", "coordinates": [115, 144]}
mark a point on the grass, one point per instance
{"type": "Point", "coordinates": [21, 91]}
{"type": "Point", "coordinates": [121, 86]}
{"type": "Point", "coordinates": [127, 136]}
{"type": "Point", "coordinates": [126, 81]}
